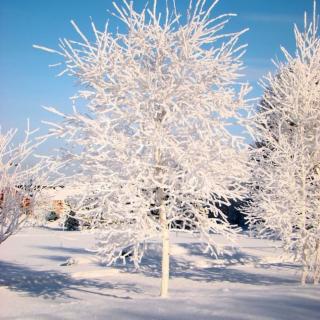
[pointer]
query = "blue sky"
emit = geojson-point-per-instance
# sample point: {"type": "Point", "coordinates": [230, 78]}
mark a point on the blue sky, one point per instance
{"type": "Point", "coordinates": [27, 83]}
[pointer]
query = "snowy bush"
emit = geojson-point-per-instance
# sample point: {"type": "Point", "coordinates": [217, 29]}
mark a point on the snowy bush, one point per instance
{"type": "Point", "coordinates": [51, 216]}
{"type": "Point", "coordinates": [286, 163]}
{"type": "Point", "coordinates": [71, 223]}
{"type": "Point", "coordinates": [20, 181]}
{"type": "Point", "coordinates": [155, 137]}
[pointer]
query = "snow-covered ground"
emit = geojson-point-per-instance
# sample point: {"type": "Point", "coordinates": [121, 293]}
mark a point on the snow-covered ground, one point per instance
{"type": "Point", "coordinates": [252, 283]}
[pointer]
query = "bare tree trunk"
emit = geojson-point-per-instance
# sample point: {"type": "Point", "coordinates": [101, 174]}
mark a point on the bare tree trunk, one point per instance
{"type": "Point", "coordinates": [303, 212]}
{"type": "Point", "coordinates": [165, 243]}
{"type": "Point", "coordinates": [304, 275]}
{"type": "Point", "coordinates": [165, 253]}
{"type": "Point", "coordinates": [165, 230]}
{"type": "Point", "coordinates": [316, 275]}
{"type": "Point", "coordinates": [304, 267]}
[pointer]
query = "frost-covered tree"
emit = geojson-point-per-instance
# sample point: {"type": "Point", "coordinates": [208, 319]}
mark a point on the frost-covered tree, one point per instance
{"type": "Point", "coordinates": [286, 166]}
{"type": "Point", "coordinates": [20, 180]}
{"type": "Point", "coordinates": [154, 146]}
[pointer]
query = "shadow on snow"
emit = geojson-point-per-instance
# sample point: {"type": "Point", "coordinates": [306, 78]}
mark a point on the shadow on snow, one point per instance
{"type": "Point", "coordinates": [181, 267]}
{"type": "Point", "coordinates": [51, 284]}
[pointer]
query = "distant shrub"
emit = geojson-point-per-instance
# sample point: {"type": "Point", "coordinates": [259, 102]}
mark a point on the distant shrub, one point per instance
{"type": "Point", "coordinates": [71, 223]}
{"type": "Point", "coordinates": [52, 216]}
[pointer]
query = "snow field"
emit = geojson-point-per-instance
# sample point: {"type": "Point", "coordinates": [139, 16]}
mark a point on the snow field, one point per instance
{"type": "Point", "coordinates": [250, 283]}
